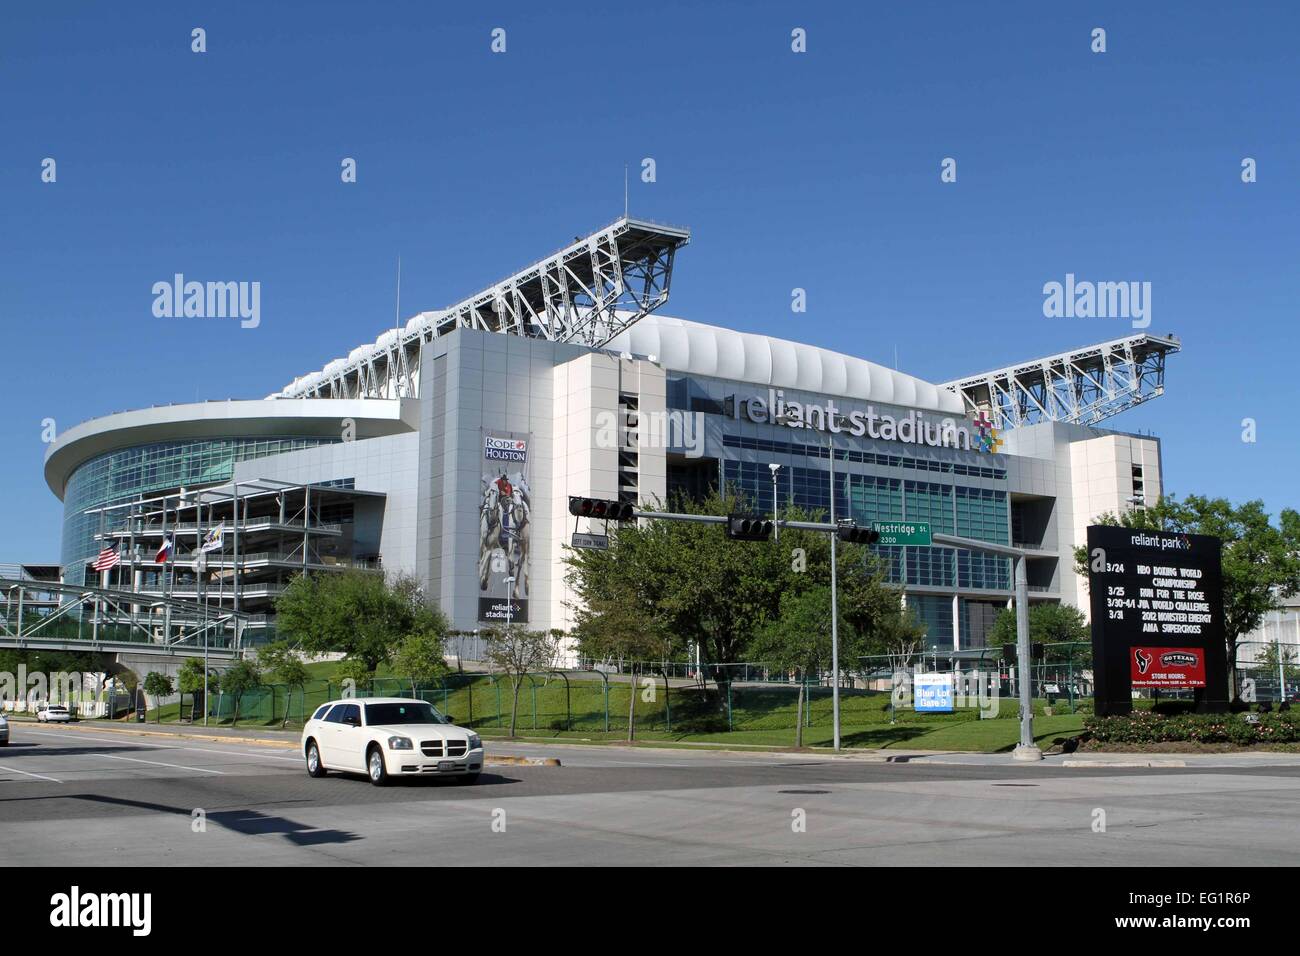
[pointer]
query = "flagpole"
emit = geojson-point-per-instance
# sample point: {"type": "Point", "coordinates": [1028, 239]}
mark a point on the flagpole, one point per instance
{"type": "Point", "coordinates": [94, 620]}
{"type": "Point", "coordinates": [166, 593]}
{"type": "Point", "coordinates": [200, 563]}
{"type": "Point", "coordinates": [135, 566]}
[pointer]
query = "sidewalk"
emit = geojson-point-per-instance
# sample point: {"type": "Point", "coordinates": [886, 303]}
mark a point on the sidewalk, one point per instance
{"type": "Point", "coordinates": [528, 750]}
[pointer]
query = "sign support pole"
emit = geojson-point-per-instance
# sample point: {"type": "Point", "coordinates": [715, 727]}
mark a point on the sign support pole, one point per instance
{"type": "Point", "coordinates": [1026, 749]}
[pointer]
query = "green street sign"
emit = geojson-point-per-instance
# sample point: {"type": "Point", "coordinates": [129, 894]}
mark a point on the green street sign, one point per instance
{"type": "Point", "coordinates": [902, 532]}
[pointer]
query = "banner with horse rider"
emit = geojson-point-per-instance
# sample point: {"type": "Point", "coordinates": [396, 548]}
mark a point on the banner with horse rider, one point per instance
{"type": "Point", "coordinates": [505, 525]}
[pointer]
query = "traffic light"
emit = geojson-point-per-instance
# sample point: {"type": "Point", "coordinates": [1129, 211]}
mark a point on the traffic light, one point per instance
{"type": "Point", "coordinates": [856, 534]}
{"type": "Point", "coordinates": [1036, 652]}
{"type": "Point", "coordinates": [600, 508]}
{"type": "Point", "coordinates": [748, 528]}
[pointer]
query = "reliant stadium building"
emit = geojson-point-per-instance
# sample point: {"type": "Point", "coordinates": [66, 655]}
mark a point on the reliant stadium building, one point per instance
{"type": "Point", "coordinates": [450, 446]}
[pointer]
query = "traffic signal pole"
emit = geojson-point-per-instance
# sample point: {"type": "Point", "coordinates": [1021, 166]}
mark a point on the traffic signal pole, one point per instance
{"type": "Point", "coordinates": [834, 529]}
{"type": "Point", "coordinates": [1026, 749]}
{"type": "Point", "coordinates": [835, 615]}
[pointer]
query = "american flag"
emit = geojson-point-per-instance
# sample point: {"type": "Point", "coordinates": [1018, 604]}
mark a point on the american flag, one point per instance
{"type": "Point", "coordinates": [108, 558]}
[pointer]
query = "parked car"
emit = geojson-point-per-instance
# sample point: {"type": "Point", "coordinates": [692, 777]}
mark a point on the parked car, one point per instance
{"type": "Point", "coordinates": [52, 713]}
{"type": "Point", "coordinates": [4, 731]}
{"type": "Point", "coordinates": [386, 737]}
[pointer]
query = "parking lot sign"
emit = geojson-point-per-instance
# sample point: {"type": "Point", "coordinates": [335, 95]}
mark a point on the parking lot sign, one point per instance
{"type": "Point", "coordinates": [932, 693]}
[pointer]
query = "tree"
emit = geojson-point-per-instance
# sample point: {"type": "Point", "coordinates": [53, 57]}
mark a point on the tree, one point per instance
{"type": "Point", "coordinates": [1267, 661]}
{"type": "Point", "coordinates": [354, 670]}
{"type": "Point", "coordinates": [159, 686]}
{"type": "Point", "coordinates": [1261, 561]}
{"type": "Point", "coordinates": [613, 626]}
{"type": "Point", "coordinates": [1048, 624]}
{"type": "Point", "coordinates": [517, 651]}
{"type": "Point", "coordinates": [800, 641]}
{"type": "Point", "coordinates": [284, 666]}
{"type": "Point", "coordinates": [688, 580]}
{"type": "Point", "coordinates": [239, 679]}
{"type": "Point", "coordinates": [421, 658]}
{"type": "Point", "coordinates": [190, 681]}
{"type": "Point", "coordinates": [363, 614]}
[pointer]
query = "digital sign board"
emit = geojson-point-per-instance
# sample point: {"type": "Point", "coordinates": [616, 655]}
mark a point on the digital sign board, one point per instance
{"type": "Point", "coordinates": [1157, 616]}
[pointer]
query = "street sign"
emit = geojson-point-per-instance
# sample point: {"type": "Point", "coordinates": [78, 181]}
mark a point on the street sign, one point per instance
{"type": "Point", "coordinates": [932, 693]}
{"type": "Point", "coordinates": [902, 532]}
{"type": "Point", "coordinates": [600, 542]}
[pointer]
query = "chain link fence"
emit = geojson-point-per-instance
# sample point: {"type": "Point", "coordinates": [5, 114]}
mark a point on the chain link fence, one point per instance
{"type": "Point", "coordinates": [683, 697]}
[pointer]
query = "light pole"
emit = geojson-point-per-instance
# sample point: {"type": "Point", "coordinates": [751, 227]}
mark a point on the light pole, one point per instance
{"type": "Point", "coordinates": [1026, 749]}
{"type": "Point", "coordinates": [776, 507]}
{"type": "Point", "coordinates": [510, 604]}
{"type": "Point", "coordinates": [835, 609]}
{"type": "Point", "coordinates": [832, 425]}
{"type": "Point", "coordinates": [1281, 672]}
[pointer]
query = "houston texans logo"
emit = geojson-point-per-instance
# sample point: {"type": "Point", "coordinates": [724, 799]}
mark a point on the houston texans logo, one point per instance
{"type": "Point", "coordinates": [1143, 659]}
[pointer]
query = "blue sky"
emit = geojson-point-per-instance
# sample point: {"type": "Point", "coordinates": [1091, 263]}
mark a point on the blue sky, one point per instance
{"type": "Point", "coordinates": [818, 171]}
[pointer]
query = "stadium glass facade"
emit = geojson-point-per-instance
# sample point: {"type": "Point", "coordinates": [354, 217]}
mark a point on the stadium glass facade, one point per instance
{"type": "Point", "coordinates": [957, 493]}
{"type": "Point", "coordinates": [127, 473]}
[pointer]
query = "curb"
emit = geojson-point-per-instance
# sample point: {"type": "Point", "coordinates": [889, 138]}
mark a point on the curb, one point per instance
{"type": "Point", "coordinates": [213, 738]}
{"type": "Point", "coordinates": [1106, 764]}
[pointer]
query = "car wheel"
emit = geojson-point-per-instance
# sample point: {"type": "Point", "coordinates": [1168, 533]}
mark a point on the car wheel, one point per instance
{"type": "Point", "coordinates": [375, 768]}
{"type": "Point", "coordinates": [314, 767]}
{"type": "Point", "coordinates": [467, 779]}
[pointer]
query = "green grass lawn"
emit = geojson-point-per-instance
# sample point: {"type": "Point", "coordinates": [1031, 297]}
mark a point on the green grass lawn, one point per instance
{"type": "Point", "coordinates": [976, 736]}
{"type": "Point", "coordinates": [585, 708]}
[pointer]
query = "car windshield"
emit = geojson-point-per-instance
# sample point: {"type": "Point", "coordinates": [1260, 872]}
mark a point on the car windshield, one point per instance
{"type": "Point", "coordinates": [416, 712]}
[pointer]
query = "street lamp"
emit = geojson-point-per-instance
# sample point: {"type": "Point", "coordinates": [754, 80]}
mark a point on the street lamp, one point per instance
{"type": "Point", "coordinates": [831, 424]}
{"type": "Point", "coordinates": [510, 604]}
{"type": "Point", "coordinates": [776, 507]}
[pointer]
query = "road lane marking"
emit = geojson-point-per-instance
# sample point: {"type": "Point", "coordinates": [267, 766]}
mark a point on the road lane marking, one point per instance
{"type": "Point", "coordinates": [159, 763]}
{"type": "Point", "coordinates": [26, 774]}
{"type": "Point", "coordinates": [141, 743]}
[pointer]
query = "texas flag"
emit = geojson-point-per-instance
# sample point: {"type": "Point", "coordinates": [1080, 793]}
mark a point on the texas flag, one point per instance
{"type": "Point", "coordinates": [165, 549]}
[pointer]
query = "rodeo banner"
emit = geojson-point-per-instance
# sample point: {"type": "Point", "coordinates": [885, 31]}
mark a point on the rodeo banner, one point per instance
{"type": "Point", "coordinates": [505, 511]}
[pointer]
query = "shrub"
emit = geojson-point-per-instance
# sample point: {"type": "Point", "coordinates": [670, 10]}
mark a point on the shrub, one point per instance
{"type": "Point", "coordinates": [1146, 727]}
{"type": "Point", "coordinates": [1171, 708]}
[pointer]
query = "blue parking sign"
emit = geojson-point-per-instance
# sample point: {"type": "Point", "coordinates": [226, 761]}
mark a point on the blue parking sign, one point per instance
{"type": "Point", "coordinates": [932, 693]}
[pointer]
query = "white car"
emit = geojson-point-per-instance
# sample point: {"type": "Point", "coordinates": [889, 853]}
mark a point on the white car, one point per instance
{"type": "Point", "coordinates": [47, 713]}
{"type": "Point", "coordinates": [4, 731]}
{"type": "Point", "coordinates": [387, 737]}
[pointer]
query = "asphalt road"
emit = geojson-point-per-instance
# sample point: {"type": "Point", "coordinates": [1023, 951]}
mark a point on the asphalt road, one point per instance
{"type": "Point", "coordinates": [79, 796]}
